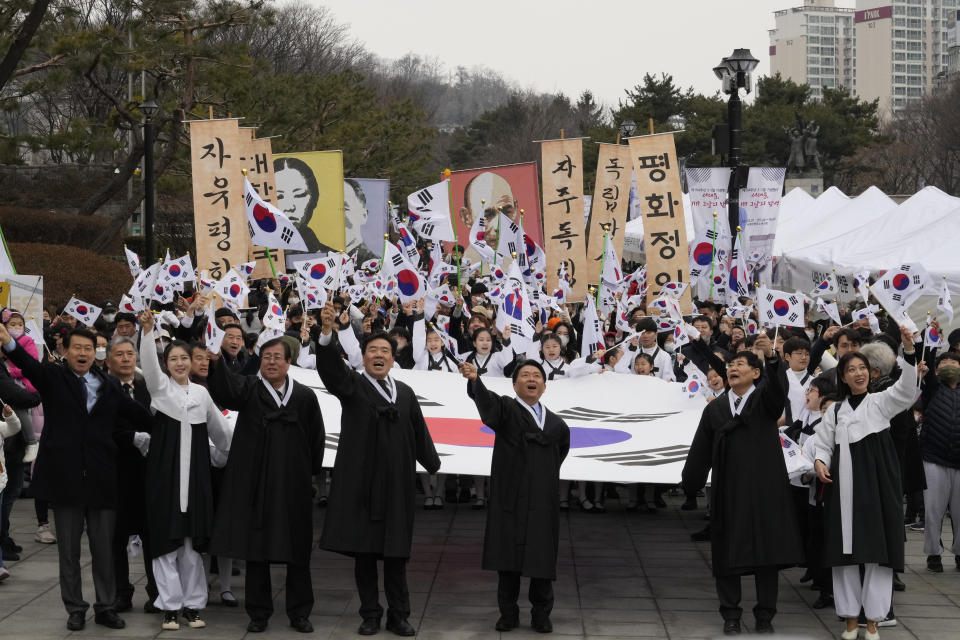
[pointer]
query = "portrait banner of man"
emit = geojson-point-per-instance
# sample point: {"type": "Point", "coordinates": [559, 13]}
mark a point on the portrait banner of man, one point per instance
{"type": "Point", "coordinates": [511, 187]}
{"type": "Point", "coordinates": [310, 191]}
{"type": "Point", "coordinates": [366, 217]}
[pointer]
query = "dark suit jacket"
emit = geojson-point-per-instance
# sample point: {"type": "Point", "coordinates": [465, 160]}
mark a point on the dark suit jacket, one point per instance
{"type": "Point", "coordinates": [77, 461]}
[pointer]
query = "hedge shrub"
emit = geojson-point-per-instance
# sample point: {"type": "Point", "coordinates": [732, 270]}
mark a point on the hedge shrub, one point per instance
{"type": "Point", "coordinates": [69, 271]}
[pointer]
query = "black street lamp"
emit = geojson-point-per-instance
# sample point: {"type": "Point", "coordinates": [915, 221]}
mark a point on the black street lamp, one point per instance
{"type": "Point", "coordinates": [149, 109]}
{"type": "Point", "coordinates": [734, 72]}
{"type": "Point", "coordinates": [627, 127]}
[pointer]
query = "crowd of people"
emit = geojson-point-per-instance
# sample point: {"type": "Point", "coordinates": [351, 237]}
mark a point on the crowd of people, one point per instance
{"type": "Point", "coordinates": [122, 432]}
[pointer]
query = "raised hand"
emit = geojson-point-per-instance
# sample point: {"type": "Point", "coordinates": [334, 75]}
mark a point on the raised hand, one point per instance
{"type": "Point", "coordinates": [146, 321]}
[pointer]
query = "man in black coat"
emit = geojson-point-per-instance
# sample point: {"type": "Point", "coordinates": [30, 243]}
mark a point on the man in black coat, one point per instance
{"type": "Point", "coordinates": [754, 529]}
{"type": "Point", "coordinates": [522, 535]}
{"type": "Point", "coordinates": [265, 513]}
{"type": "Point", "coordinates": [382, 437]}
{"type": "Point", "coordinates": [131, 476]}
{"type": "Point", "coordinates": [76, 467]}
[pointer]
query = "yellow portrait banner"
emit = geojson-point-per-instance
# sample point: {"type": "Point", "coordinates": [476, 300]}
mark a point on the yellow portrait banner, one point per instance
{"type": "Point", "coordinates": [310, 192]}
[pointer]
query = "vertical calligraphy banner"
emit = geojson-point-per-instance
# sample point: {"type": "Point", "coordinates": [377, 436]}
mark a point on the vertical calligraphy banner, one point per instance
{"type": "Point", "coordinates": [563, 231]}
{"type": "Point", "coordinates": [220, 224]}
{"type": "Point", "coordinates": [661, 205]}
{"type": "Point", "coordinates": [611, 197]}
{"type": "Point", "coordinates": [259, 164]}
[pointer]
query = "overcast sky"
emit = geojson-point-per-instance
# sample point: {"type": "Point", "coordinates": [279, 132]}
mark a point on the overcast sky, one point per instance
{"type": "Point", "coordinates": [570, 45]}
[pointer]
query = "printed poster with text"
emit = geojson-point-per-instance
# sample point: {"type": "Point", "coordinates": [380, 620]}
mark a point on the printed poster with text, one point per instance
{"type": "Point", "coordinates": [511, 187]}
{"type": "Point", "coordinates": [608, 211]}
{"type": "Point", "coordinates": [661, 205]}
{"type": "Point", "coordinates": [219, 216]}
{"type": "Point", "coordinates": [310, 192]}
{"type": "Point", "coordinates": [562, 162]}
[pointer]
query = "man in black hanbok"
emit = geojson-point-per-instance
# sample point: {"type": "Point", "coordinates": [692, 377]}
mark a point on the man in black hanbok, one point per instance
{"type": "Point", "coordinates": [522, 535]}
{"type": "Point", "coordinates": [372, 494]}
{"type": "Point", "coordinates": [265, 514]}
{"type": "Point", "coordinates": [754, 528]}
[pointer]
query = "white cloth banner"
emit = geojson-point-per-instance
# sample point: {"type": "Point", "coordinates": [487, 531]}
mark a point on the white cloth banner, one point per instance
{"type": "Point", "coordinates": [623, 428]}
{"type": "Point", "coordinates": [759, 209]}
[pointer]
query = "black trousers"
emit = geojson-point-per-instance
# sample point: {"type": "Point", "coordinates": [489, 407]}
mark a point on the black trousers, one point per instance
{"type": "Point", "coordinates": [508, 592]}
{"type": "Point", "coordinates": [100, 525]}
{"type": "Point", "coordinates": [121, 567]}
{"type": "Point", "coordinates": [728, 589]}
{"type": "Point", "coordinates": [394, 586]}
{"type": "Point", "coordinates": [258, 589]}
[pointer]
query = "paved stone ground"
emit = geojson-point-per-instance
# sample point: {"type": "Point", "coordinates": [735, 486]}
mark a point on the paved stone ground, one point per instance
{"type": "Point", "coordinates": [621, 575]}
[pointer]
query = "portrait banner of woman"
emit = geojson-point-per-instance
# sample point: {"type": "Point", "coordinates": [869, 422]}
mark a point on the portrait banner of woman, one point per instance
{"type": "Point", "coordinates": [310, 191]}
{"type": "Point", "coordinates": [510, 187]}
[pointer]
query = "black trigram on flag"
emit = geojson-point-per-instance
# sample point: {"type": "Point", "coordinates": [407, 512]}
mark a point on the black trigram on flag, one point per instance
{"type": "Point", "coordinates": [250, 228]}
{"type": "Point", "coordinates": [427, 229]}
{"type": "Point", "coordinates": [712, 235]}
{"type": "Point", "coordinates": [397, 259]}
{"type": "Point", "coordinates": [248, 199]}
{"type": "Point", "coordinates": [286, 234]}
{"type": "Point", "coordinates": [425, 197]}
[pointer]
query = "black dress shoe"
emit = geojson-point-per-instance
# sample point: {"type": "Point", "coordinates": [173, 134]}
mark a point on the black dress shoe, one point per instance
{"type": "Point", "coordinates": [823, 601]}
{"type": "Point", "coordinates": [110, 620]}
{"type": "Point", "coordinates": [690, 504]}
{"type": "Point", "coordinates": [369, 626]}
{"type": "Point", "coordinates": [149, 607]}
{"type": "Point", "coordinates": [542, 625]}
{"type": "Point", "coordinates": [731, 627]}
{"type": "Point", "coordinates": [302, 625]}
{"type": "Point", "coordinates": [764, 626]}
{"type": "Point", "coordinates": [401, 628]}
{"type": "Point", "coordinates": [76, 621]}
{"type": "Point", "coordinates": [898, 583]}
{"type": "Point", "coordinates": [123, 603]}
{"type": "Point", "coordinates": [256, 626]}
{"type": "Point", "coordinates": [807, 577]}
{"type": "Point", "coordinates": [507, 623]}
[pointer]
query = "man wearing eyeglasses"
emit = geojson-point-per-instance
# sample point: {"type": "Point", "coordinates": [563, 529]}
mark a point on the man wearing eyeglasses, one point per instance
{"type": "Point", "coordinates": [266, 509]}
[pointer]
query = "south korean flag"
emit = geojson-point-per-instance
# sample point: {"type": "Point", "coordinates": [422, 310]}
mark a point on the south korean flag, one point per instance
{"type": "Point", "coordinates": [904, 284]}
{"type": "Point", "coordinates": [429, 212]}
{"type": "Point", "coordinates": [322, 272]}
{"type": "Point", "coordinates": [780, 308]}
{"type": "Point", "coordinates": [268, 226]}
{"type": "Point", "coordinates": [409, 282]}
{"type": "Point", "coordinates": [83, 311]}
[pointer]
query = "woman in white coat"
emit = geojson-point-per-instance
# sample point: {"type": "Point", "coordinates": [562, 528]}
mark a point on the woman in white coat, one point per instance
{"type": "Point", "coordinates": [863, 511]}
{"type": "Point", "coordinates": [179, 491]}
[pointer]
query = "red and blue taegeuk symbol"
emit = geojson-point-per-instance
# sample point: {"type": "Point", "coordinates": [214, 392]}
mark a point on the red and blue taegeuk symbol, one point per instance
{"type": "Point", "coordinates": [264, 219]}
{"type": "Point", "coordinates": [318, 271]}
{"type": "Point", "coordinates": [470, 432]}
{"type": "Point", "coordinates": [158, 289]}
{"type": "Point", "coordinates": [529, 244]}
{"type": "Point", "coordinates": [513, 305]}
{"type": "Point", "coordinates": [824, 285]}
{"type": "Point", "coordinates": [934, 335]}
{"type": "Point", "coordinates": [901, 281]}
{"type": "Point", "coordinates": [693, 386]}
{"type": "Point", "coordinates": [408, 282]}
{"type": "Point", "coordinates": [82, 310]}
{"type": "Point", "coordinates": [733, 279]}
{"type": "Point", "coordinates": [275, 310]}
{"type": "Point", "coordinates": [234, 290]}
{"type": "Point", "coordinates": [174, 270]}
{"type": "Point", "coordinates": [781, 307]}
{"type": "Point", "coordinates": [703, 254]}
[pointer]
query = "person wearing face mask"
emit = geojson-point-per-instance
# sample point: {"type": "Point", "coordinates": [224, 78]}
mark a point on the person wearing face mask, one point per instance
{"type": "Point", "coordinates": [30, 420]}
{"type": "Point", "coordinates": [100, 352]}
{"type": "Point", "coordinates": [106, 323]}
{"type": "Point", "coordinates": [939, 437]}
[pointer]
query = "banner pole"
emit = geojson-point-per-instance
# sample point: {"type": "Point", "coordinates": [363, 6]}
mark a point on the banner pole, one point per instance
{"type": "Point", "coordinates": [270, 260]}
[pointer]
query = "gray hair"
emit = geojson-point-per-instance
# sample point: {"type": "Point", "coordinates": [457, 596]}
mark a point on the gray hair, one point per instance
{"type": "Point", "coordinates": [118, 341]}
{"type": "Point", "coordinates": [880, 357]}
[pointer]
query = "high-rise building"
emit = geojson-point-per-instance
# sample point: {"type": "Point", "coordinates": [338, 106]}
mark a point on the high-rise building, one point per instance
{"type": "Point", "coordinates": [813, 44]}
{"type": "Point", "coordinates": [894, 51]}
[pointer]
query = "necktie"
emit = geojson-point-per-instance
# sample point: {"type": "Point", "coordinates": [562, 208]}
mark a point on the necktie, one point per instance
{"type": "Point", "coordinates": [736, 402]}
{"type": "Point", "coordinates": [383, 385]}
{"type": "Point", "coordinates": [128, 388]}
{"type": "Point", "coordinates": [83, 391]}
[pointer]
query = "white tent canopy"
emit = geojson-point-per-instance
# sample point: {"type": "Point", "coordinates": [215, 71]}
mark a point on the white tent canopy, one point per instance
{"type": "Point", "coordinates": [796, 222]}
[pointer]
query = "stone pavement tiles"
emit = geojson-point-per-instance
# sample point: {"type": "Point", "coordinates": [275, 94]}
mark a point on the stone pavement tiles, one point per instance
{"type": "Point", "coordinates": [620, 575]}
